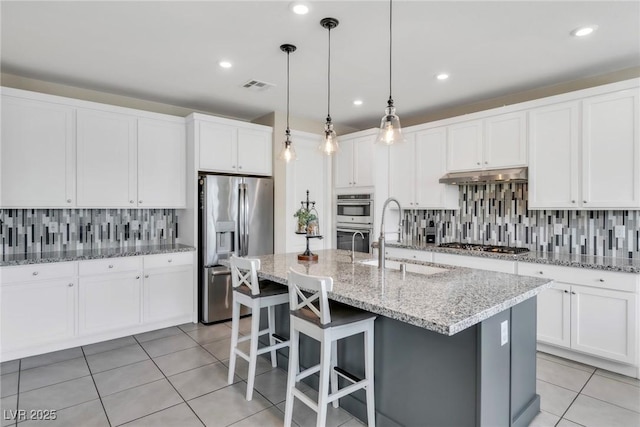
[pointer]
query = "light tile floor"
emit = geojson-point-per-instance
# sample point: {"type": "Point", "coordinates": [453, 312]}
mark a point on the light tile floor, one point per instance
{"type": "Point", "coordinates": [178, 377]}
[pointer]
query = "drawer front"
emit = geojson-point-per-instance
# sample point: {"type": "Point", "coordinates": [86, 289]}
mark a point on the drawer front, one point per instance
{"type": "Point", "coordinates": [480, 263]}
{"type": "Point", "coordinates": [582, 276]}
{"type": "Point", "coordinates": [27, 273]}
{"type": "Point", "coordinates": [110, 265]}
{"type": "Point", "coordinates": [168, 260]}
{"type": "Point", "coordinates": [409, 254]}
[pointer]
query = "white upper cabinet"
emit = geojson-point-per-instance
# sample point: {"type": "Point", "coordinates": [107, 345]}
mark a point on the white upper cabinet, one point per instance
{"type": "Point", "coordinates": [464, 146]}
{"type": "Point", "coordinates": [38, 154]}
{"type": "Point", "coordinates": [585, 154]}
{"type": "Point", "coordinates": [226, 147]}
{"type": "Point", "coordinates": [505, 140]}
{"type": "Point", "coordinates": [354, 162]}
{"type": "Point", "coordinates": [161, 163]}
{"type": "Point", "coordinates": [554, 156]}
{"type": "Point", "coordinates": [415, 167]}
{"type": "Point", "coordinates": [611, 151]}
{"type": "Point", "coordinates": [106, 159]}
{"type": "Point", "coordinates": [491, 143]}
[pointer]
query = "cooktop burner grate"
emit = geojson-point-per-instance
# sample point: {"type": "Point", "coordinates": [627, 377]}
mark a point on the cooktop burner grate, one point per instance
{"type": "Point", "coordinates": [484, 248]}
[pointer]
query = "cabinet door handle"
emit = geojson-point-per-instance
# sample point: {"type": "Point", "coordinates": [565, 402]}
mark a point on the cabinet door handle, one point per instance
{"type": "Point", "coordinates": [486, 163]}
{"type": "Point", "coordinates": [146, 276]}
{"type": "Point", "coordinates": [239, 167]}
{"type": "Point", "coordinates": [139, 201]}
{"type": "Point", "coordinates": [131, 201]}
{"type": "Point", "coordinates": [354, 183]}
{"type": "Point", "coordinates": [477, 163]}
{"type": "Point", "coordinates": [573, 293]}
{"type": "Point", "coordinates": [70, 285]}
{"type": "Point", "coordinates": [110, 265]}
{"type": "Point", "coordinates": [411, 203]}
{"type": "Point", "coordinates": [600, 280]}
{"type": "Point", "coordinates": [540, 272]}
{"type": "Point", "coordinates": [68, 200]}
{"type": "Point", "coordinates": [137, 277]}
{"type": "Point", "coordinates": [584, 201]}
{"type": "Point", "coordinates": [35, 273]}
{"type": "Point", "coordinates": [566, 292]}
{"type": "Point", "coordinates": [233, 167]}
{"type": "Point", "coordinates": [573, 201]}
{"type": "Point", "coordinates": [169, 260]}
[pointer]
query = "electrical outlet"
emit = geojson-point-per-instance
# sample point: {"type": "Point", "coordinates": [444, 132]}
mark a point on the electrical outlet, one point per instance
{"type": "Point", "coordinates": [619, 231]}
{"type": "Point", "coordinates": [557, 229]}
{"type": "Point", "coordinates": [504, 332]}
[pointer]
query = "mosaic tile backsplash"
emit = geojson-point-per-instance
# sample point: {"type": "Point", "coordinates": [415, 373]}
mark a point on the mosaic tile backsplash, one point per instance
{"type": "Point", "coordinates": [52, 230]}
{"type": "Point", "coordinates": [497, 214]}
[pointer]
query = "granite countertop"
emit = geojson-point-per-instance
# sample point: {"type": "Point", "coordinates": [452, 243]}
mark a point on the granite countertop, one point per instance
{"type": "Point", "coordinates": [446, 302]}
{"type": "Point", "coordinates": [46, 257]}
{"type": "Point", "coordinates": [625, 265]}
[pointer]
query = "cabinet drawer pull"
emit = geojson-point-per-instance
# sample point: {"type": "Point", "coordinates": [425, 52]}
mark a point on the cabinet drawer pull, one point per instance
{"type": "Point", "coordinates": [584, 201]}
{"type": "Point", "coordinates": [573, 201]}
{"type": "Point", "coordinates": [169, 260]}
{"type": "Point", "coordinates": [35, 273]}
{"type": "Point", "coordinates": [110, 265]}
{"type": "Point", "coordinates": [70, 285]}
{"type": "Point", "coordinates": [540, 272]}
{"type": "Point", "coordinates": [600, 280]}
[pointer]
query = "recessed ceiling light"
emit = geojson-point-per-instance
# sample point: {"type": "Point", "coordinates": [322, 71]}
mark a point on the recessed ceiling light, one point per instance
{"type": "Point", "coordinates": [225, 64]}
{"type": "Point", "coordinates": [357, 102]}
{"type": "Point", "coordinates": [584, 31]}
{"type": "Point", "coordinates": [442, 76]}
{"type": "Point", "coordinates": [299, 8]}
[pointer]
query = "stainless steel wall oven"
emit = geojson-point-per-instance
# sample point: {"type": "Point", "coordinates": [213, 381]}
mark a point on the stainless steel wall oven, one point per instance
{"type": "Point", "coordinates": [354, 212]}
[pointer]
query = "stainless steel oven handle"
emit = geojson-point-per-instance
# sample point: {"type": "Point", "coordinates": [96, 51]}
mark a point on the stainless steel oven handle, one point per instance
{"type": "Point", "coordinates": [354, 230]}
{"type": "Point", "coordinates": [358, 203]}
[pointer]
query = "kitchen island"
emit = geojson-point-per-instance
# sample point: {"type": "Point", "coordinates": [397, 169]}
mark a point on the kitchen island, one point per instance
{"type": "Point", "coordinates": [453, 346]}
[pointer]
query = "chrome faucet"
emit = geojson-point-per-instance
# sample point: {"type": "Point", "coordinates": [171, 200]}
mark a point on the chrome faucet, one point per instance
{"type": "Point", "coordinates": [353, 244]}
{"type": "Point", "coordinates": [381, 245]}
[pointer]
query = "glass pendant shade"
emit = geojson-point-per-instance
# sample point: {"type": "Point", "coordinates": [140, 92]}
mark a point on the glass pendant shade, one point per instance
{"type": "Point", "coordinates": [329, 144]}
{"type": "Point", "coordinates": [288, 153]}
{"type": "Point", "coordinates": [390, 131]}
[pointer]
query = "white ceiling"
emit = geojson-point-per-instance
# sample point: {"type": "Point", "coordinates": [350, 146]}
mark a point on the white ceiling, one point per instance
{"type": "Point", "coordinates": [168, 51]}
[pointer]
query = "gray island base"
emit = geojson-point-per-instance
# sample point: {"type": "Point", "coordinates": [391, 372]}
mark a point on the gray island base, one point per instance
{"type": "Point", "coordinates": [470, 362]}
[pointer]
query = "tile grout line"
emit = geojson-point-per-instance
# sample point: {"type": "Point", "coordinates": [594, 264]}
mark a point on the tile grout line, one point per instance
{"type": "Point", "coordinates": [170, 383]}
{"type": "Point", "coordinates": [18, 390]}
{"type": "Point", "coordinates": [96, 386]}
{"type": "Point", "coordinates": [575, 398]}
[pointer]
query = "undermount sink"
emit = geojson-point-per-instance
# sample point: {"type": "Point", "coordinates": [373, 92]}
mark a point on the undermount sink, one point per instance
{"type": "Point", "coordinates": [411, 268]}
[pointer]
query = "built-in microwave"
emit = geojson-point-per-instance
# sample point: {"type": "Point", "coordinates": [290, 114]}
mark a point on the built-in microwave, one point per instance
{"type": "Point", "coordinates": [354, 209]}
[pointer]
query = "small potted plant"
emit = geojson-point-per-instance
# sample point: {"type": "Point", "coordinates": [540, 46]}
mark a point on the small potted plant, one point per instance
{"type": "Point", "coordinates": [304, 217]}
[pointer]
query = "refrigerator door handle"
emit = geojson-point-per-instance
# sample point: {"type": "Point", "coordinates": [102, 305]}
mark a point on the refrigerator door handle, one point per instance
{"type": "Point", "coordinates": [241, 221]}
{"type": "Point", "coordinates": [246, 221]}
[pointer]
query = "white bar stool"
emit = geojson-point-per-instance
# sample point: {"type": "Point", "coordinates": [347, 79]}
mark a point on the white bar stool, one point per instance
{"type": "Point", "coordinates": [324, 321]}
{"type": "Point", "coordinates": [248, 291]}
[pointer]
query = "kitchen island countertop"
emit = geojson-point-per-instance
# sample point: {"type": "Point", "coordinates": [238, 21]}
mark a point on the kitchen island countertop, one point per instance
{"type": "Point", "coordinates": [448, 301]}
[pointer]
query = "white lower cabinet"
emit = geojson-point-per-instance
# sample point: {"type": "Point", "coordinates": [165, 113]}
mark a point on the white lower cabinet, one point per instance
{"type": "Point", "coordinates": [110, 301]}
{"type": "Point", "coordinates": [599, 319]}
{"type": "Point", "coordinates": [49, 307]}
{"type": "Point", "coordinates": [168, 286]}
{"type": "Point", "coordinates": [38, 312]}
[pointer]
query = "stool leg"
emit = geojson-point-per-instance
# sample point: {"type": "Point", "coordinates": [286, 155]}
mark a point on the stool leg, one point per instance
{"type": "Point", "coordinates": [235, 321]}
{"type": "Point", "coordinates": [323, 389]}
{"type": "Point", "coordinates": [369, 368]}
{"type": "Point", "coordinates": [293, 371]}
{"type": "Point", "coordinates": [253, 351]}
{"type": "Point", "coordinates": [271, 312]}
{"type": "Point", "coordinates": [334, 375]}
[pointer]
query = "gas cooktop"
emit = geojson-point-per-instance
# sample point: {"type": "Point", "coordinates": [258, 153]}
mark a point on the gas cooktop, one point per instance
{"type": "Point", "coordinates": [484, 248]}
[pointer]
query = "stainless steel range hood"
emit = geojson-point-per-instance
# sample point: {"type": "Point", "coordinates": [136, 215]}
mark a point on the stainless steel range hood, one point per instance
{"type": "Point", "coordinates": [486, 177]}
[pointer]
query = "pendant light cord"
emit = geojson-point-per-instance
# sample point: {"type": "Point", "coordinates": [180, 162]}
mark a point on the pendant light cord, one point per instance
{"type": "Point", "coordinates": [329, 80]}
{"type": "Point", "coordinates": [390, 103]}
{"type": "Point", "coordinates": [288, 91]}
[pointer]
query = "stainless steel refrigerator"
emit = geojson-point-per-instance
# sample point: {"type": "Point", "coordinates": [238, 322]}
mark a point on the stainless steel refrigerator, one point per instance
{"type": "Point", "coordinates": [235, 217]}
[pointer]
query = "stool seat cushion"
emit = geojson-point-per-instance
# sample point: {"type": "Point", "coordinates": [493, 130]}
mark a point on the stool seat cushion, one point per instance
{"type": "Point", "coordinates": [341, 314]}
{"type": "Point", "coordinates": [267, 289]}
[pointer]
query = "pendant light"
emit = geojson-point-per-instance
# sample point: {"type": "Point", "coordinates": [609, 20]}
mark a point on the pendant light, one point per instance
{"type": "Point", "coordinates": [329, 144]}
{"type": "Point", "coordinates": [288, 153]}
{"type": "Point", "coordinates": [390, 131]}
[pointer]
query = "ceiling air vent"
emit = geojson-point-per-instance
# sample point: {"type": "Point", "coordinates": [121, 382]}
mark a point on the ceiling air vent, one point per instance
{"type": "Point", "coordinates": [257, 85]}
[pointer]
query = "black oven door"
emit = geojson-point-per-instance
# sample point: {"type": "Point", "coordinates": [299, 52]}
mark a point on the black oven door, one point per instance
{"type": "Point", "coordinates": [344, 237]}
